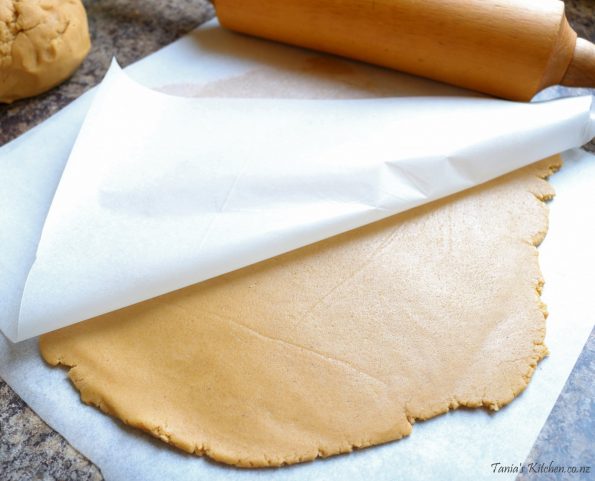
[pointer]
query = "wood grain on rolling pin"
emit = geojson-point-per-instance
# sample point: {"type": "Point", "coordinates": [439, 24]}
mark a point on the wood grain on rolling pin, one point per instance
{"type": "Point", "coordinates": [508, 48]}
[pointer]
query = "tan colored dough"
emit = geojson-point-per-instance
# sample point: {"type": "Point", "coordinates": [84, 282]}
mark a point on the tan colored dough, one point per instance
{"type": "Point", "coordinates": [337, 345]}
{"type": "Point", "coordinates": [42, 42]}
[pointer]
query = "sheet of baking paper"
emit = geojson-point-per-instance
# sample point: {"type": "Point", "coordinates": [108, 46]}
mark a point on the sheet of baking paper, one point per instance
{"type": "Point", "coordinates": [161, 192]}
{"type": "Point", "coordinates": [460, 445]}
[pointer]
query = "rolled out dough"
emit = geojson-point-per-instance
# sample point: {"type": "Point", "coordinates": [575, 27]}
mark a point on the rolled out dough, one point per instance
{"type": "Point", "coordinates": [338, 345]}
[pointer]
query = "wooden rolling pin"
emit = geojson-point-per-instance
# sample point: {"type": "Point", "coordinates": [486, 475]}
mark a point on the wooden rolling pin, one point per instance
{"type": "Point", "coordinates": [507, 48]}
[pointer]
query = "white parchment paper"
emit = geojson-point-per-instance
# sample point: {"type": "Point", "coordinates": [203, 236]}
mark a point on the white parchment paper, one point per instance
{"type": "Point", "coordinates": [460, 445]}
{"type": "Point", "coordinates": [160, 192]}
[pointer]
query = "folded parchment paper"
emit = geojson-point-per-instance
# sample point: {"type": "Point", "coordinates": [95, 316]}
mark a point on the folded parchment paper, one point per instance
{"type": "Point", "coordinates": [460, 445]}
{"type": "Point", "coordinates": [160, 192]}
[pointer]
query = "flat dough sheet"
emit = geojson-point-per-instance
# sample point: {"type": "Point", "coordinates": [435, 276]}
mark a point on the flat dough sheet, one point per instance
{"type": "Point", "coordinates": [338, 345]}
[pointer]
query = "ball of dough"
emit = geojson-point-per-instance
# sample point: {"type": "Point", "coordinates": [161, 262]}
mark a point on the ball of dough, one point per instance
{"type": "Point", "coordinates": [42, 42]}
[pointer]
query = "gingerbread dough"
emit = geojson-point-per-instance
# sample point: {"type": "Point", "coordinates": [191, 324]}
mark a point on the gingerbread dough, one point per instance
{"type": "Point", "coordinates": [42, 42]}
{"type": "Point", "coordinates": [338, 345]}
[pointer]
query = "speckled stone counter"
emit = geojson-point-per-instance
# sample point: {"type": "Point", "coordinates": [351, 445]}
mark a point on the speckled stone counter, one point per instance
{"type": "Point", "coordinates": [29, 449]}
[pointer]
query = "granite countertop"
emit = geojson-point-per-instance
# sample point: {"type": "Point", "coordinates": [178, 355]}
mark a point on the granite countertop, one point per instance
{"type": "Point", "coordinates": [29, 449]}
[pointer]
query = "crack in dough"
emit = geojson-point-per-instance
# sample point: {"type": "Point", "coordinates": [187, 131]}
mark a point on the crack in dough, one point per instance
{"type": "Point", "coordinates": [256, 332]}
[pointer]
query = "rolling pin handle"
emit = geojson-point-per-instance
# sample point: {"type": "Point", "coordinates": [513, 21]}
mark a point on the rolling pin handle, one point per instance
{"type": "Point", "coordinates": [581, 71]}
